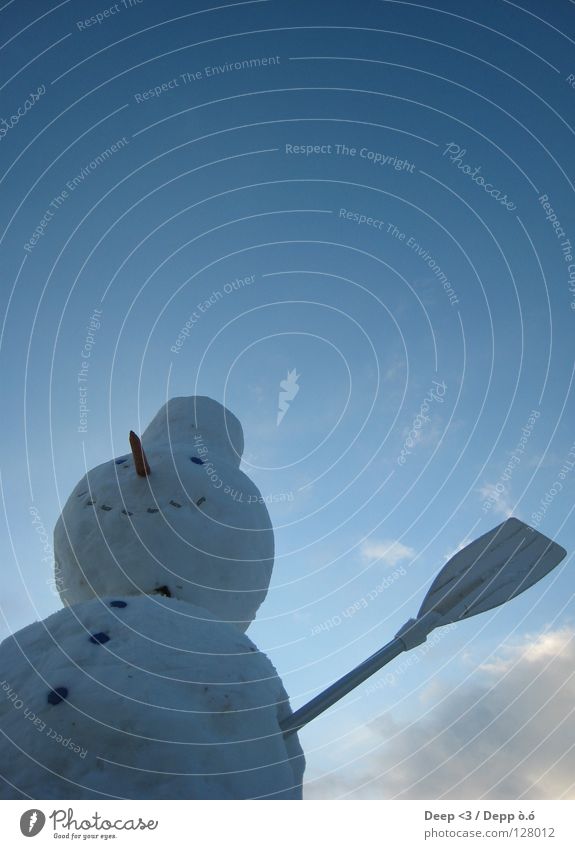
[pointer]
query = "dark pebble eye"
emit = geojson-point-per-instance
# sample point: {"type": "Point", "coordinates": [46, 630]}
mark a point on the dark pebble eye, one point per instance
{"type": "Point", "coordinates": [105, 507]}
{"type": "Point", "coordinates": [57, 695]}
{"type": "Point", "coordinates": [89, 503]}
{"type": "Point", "coordinates": [99, 638]}
{"type": "Point", "coordinates": [120, 461]}
{"type": "Point", "coordinates": [197, 460]}
{"type": "Point", "coordinates": [118, 604]}
{"type": "Point", "coordinates": [153, 509]}
{"type": "Point", "coordinates": [80, 494]}
{"type": "Point", "coordinates": [200, 501]}
{"type": "Point", "coordinates": [127, 513]}
{"type": "Point", "coordinates": [175, 504]}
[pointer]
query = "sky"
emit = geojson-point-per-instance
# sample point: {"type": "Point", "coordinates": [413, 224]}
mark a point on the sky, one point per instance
{"type": "Point", "coordinates": [370, 203]}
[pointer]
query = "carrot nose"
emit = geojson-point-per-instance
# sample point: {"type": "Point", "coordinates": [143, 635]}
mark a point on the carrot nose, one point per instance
{"type": "Point", "coordinates": [140, 461]}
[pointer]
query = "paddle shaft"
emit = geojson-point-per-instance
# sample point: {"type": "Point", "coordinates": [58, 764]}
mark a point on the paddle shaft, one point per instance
{"type": "Point", "coordinates": [342, 687]}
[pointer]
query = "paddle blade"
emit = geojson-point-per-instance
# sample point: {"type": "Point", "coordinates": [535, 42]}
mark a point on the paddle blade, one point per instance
{"type": "Point", "coordinates": [493, 569]}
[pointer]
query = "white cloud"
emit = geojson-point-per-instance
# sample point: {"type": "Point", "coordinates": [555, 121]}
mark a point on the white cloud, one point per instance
{"type": "Point", "coordinates": [507, 735]}
{"type": "Point", "coordinates": [499, 500]}
{"type": "Point", "coordinates": [465, 541]}
{"type": "Point", "coordinates": [395, 369]}
{"type": "Point", "coordinates": [389, 551]}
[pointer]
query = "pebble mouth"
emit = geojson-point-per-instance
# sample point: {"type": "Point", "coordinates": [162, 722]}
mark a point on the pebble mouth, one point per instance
{"type": "Point", "coordinates": [107, 508]}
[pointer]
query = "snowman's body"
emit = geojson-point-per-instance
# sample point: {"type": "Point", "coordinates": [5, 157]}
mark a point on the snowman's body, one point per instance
{"type": "Point", "coordinates": [144, 697]}
{"type": "Point", "coordinates": [145, 685]}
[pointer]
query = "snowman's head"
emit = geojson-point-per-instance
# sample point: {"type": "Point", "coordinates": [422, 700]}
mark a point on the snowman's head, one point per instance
{"type": "Point", "coordinates": [174, 515]}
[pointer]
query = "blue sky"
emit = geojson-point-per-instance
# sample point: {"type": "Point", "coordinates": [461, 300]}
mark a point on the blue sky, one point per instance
{"type": "Point", "coordinates": [339, 172]}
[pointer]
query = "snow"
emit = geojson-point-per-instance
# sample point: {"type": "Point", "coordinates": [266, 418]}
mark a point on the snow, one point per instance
{"type": "Point", "coordinates": [197, 418]}
{"type": "Point", "coordinates": [197, 527]}
{"type": "Point", "coordinates": [142, 697]}
{"type": "Point", "coordinates": [144, 685]}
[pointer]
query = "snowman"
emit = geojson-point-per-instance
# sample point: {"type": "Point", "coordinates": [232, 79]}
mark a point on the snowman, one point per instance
{"type": "Point", "coordinates": [145, 685]}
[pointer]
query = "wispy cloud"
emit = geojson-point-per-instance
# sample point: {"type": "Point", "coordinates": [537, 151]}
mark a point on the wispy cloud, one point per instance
{"type": "Point", "coordinates": [388, 551]}
{"type": "Point", "coordinates": [395, 369]}
{"type": "Point", "coordinates": [497, 498]}
{"type": "Point", "coordinates": [465, 541]}
{"type": "Point", "coordinates": [289, 388]}
{"type": "Point", "coordinates": [507, 735]}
